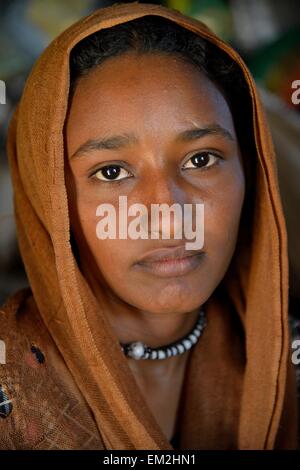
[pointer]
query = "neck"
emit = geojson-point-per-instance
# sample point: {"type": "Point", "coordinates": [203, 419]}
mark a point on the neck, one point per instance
{"type": "Point", "coordinates": [154, 329]}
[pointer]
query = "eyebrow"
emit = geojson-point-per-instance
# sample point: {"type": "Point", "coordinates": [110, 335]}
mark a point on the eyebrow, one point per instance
{"type": "Point", "coordinates": [117, 142]}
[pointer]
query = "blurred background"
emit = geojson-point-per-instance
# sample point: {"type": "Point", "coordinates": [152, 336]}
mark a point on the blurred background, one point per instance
{"type": "Point", "coordinates": [265, 32]}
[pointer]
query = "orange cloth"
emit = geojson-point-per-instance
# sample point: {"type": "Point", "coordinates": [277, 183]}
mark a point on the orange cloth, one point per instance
{"type": "Point", "coordinates": [239, 391]}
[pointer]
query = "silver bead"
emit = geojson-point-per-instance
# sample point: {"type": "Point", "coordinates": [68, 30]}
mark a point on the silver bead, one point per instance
{"type": "Point", "coordinates": [154, 354]}
{"type": "Point", "coordinates": [193, 338]}
{"type": "Point", "coordinates": [187, 343]}
{"type": "Point", "coordinates": [161, 354]}
{"type": "Point", "coordinates": [136, 350]}
{"type": "Point", "coordinates": [169, 352]}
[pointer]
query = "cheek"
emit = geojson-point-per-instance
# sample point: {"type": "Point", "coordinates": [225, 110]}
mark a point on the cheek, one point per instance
{"type": "Point", "coordinates": [222, 217]}
{"type": "Point", "coordinates": [87, 219]}
{"type": "Point", "coordinates": [112, 256]}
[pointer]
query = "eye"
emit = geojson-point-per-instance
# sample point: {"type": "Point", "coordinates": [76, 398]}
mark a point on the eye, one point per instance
{"type": "Point", "coordinates": [111, 173]}
{"type": "Point", "coordinates": [202, 160]}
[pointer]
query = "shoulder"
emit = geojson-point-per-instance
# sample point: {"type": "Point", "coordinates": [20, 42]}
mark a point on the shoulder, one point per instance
{"type": "Point", "coordinates": [40, 404]}
{"type": "Point", "coordinates": [21, 329]}
{"type": "Point", "coordinates": [14, 335]}
{"type": "Point", "coordinates": [19, 319]}
{"type": "Point", "coordinates": [17, 337]}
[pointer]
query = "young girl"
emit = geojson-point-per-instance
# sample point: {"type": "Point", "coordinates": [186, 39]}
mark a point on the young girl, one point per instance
{"type": "Point", "coordinates": [128, 342]}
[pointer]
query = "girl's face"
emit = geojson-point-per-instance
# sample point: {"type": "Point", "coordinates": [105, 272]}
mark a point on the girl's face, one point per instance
{"type": "Point", "coordinates": [153, 99]}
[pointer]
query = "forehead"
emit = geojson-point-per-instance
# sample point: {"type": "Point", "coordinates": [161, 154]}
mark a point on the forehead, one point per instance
{"type": "Point", "coordinates": [153, 92]}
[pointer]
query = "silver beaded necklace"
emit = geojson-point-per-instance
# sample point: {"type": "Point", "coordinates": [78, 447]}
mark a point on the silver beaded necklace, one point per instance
{"type": "Point", "coordinates": [138, 350]}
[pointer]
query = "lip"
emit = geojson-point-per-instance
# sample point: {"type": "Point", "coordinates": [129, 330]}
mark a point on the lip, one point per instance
{"type": "Point", "coordinates": [170, 262]}
{"type": "Point", "coordinates": [167, 254]}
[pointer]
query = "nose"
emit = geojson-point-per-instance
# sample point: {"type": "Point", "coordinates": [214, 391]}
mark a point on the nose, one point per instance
{"type": "Point", "coordinates": [165, 199]}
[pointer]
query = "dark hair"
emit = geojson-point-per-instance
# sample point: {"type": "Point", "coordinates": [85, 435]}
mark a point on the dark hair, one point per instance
{"type": "Point", "coordinates": [154, 34]}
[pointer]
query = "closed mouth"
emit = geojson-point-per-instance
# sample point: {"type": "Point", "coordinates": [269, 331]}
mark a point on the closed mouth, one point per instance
{"type": "Point", "coordinates": [168, 254]}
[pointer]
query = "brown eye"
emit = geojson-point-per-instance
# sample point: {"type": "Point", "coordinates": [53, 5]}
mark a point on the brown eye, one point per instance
{"type": "Point", "coordinates": [111, 173]}
{"type": "Point", "coordinates": [201, 159]}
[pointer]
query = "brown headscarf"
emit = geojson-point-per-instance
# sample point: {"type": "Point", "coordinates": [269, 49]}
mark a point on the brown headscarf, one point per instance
{"type": "Point", "coordinates": [239, 390]}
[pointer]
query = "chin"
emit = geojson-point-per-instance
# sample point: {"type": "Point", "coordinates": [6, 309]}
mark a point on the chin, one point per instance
{"type": "Point", "coordinates": [172, 300]}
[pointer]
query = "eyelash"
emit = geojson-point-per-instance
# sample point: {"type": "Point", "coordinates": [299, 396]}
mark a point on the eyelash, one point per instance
{"type": "Point", "coordinates": [119, 181]}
